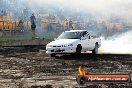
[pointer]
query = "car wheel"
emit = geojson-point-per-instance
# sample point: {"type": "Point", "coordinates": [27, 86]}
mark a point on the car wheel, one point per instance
{"type": "Point", "coordinates": [78, 49]}
{"type": "Point", "coordinates": [95, 51]}
{"type": "Point", "coordinates": [52, 55]}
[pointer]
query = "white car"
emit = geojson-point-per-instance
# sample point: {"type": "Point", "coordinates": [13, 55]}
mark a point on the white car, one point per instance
{"type": "Point", "coordinates": [74, 41]}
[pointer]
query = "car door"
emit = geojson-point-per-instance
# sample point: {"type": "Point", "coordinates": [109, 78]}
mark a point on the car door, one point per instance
{"type": "Point", "coordinates": [85, 42]}
{"type": "Point", "coordinates": [92, 43]}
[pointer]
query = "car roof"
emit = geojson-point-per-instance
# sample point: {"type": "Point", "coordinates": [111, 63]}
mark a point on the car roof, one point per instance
{"type": "Point", "coordinates": [76, 31]}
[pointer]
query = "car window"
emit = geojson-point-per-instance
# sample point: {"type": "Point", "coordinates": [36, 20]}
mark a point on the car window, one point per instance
{"type": "Point", "coordinates": [70, 35]}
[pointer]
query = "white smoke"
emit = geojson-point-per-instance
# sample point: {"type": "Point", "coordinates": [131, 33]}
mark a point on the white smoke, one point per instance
{"type": "Point", "coordinates": [121, 44]}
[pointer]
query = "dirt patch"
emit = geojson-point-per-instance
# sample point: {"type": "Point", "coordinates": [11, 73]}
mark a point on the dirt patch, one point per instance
{"type": "Point", "coordinates": [38, 70]}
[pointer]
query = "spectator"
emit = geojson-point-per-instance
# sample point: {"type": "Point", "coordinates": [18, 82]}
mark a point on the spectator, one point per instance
{"type": "Point", "coordinates": [32, 19]}
{"type": "Point", "coordinates": [20, 25]}
{"type": "Point", "coordinates": [33, 26]}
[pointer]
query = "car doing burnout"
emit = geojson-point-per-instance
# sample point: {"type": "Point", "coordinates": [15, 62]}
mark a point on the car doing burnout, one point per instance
{"type": "Point", "coordinates": [74, 41]}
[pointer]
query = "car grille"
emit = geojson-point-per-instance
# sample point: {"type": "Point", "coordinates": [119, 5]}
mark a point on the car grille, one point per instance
{"type": "Point", "coordinates": [56, 46]}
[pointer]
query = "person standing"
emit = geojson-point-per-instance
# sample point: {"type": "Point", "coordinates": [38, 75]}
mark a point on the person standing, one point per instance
{"type": "Point", "coordinates": [20, 25]}
{"type": "Point", "coordinates": [32, 18]}
{"type": "Point", "coordinates": [33, 25]}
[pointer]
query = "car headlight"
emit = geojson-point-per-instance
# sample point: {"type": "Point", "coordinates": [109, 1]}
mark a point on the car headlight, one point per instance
{"type": "Point", "coordinates": [70, 45]}
{"type": "Point", "coordinates": [63, 45]}
{"type": "Point", "coordinates": [49, 45]}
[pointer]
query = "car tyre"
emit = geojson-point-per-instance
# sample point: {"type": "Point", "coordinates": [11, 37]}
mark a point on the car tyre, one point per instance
{"type": "Point", "coordinates": [95, 51]}
{"type": "Point", "coordinates": [78, 49]}
{"type": "Point", "coordinates": [52, 55]}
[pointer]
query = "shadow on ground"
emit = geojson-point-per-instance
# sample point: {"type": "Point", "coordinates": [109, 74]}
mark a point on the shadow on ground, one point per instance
{"type": "Point", "coordinates": [89, 56]}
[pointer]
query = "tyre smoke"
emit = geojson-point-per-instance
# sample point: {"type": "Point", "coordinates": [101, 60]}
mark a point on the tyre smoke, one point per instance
{"type": "Point", "coordinates": [117, 44]}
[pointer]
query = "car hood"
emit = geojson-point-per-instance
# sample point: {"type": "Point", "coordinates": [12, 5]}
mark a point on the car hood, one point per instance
{"type": "Point", "coordinates": [63, 41]}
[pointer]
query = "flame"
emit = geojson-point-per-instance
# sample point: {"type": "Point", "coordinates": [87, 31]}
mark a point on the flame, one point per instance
{"type": "Point", "coordinates": [81, 71]}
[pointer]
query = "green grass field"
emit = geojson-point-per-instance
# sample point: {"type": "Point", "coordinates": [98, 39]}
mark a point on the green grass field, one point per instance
{"type": "Point", "coordinates": [12, 38]}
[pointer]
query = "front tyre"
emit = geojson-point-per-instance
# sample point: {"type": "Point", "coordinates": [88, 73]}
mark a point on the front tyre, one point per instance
{"type": "Point", "coordinates": [52, 55]}
{"type": "Point", "coordinates": [78, 49]}
{"type": "Point", "coordinates": [95, 51]}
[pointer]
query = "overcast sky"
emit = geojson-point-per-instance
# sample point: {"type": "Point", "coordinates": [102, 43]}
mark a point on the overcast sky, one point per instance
{"type": "Point", "coordinates": [121, 8]}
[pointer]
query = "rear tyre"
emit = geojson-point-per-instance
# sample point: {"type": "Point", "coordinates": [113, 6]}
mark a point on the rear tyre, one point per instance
{"type": "Point", "coordinates": [78, 49]}
{"type": "Point", "coordinates": [95, 51]}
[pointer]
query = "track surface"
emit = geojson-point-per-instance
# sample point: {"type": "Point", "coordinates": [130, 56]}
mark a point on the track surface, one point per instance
{"type": "Point", "coordinates": [25, 69]}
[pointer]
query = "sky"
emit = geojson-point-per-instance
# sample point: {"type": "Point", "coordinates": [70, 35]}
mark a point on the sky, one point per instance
{"type": "Point", "coordinates": [121, 8]}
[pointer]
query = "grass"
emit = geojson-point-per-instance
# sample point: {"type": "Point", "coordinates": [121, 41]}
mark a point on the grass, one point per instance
{"type": "Point", "coordinates": [15, 38]}
{"type": "Point", "coordinates": [12, 38]}
{"type": "Point", "coordinates": [50, 37]}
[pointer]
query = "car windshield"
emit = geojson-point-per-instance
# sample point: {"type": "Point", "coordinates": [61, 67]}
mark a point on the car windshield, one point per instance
{"type": "Point", "coordinates": [70, 35]}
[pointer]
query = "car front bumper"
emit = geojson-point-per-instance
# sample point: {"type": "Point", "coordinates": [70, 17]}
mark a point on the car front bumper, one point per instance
{"type": "Point", "coordinates": [59, 50]}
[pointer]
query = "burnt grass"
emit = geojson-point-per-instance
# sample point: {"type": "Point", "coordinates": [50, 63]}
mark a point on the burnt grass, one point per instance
{"type": "Point", "coordinates": [22, 68]}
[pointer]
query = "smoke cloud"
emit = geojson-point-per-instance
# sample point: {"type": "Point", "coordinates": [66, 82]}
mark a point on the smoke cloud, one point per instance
{"type": "Point", "coordinates": [118, 44]}
{"type": "Point", "coordinates": [101, 8]}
